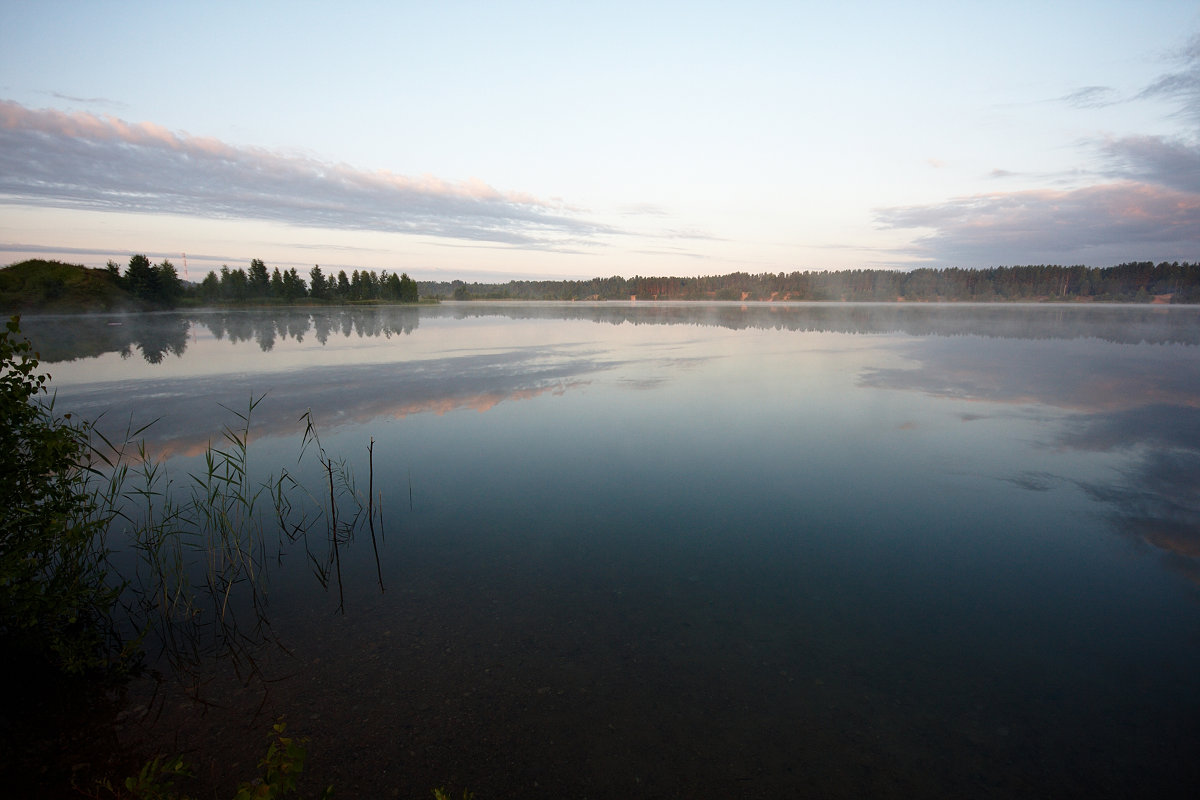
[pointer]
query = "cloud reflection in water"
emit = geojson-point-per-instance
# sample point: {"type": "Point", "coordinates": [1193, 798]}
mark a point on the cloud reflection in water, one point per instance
{"type": "Point", "coordinates": [189, 410]}
{"type": "Point", "coordinates": [1140, 402]}
{"type": "Point", "coordinates": [1121, 380]}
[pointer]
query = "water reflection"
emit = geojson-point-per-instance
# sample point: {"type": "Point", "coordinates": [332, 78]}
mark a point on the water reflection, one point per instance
{"type": "Point", "coordinates": [1156, 497]}
{"type": "Point", "coordinates": [1130, 324]}
{"type": "Point", "coordinates": [187, 410]}
{"type": "Point", "coordinates": [1139, 402]}
{"type": "Point", "coordinates": [156, 335]}
{"type": "Point", "coordinates": [1135, 398]}
{"type": "Point", "coordinates": [825, 541]}
{"type": "Point", "coordinates": [152, 336]}
{"type": "Point", "coordinates": [265, 328]}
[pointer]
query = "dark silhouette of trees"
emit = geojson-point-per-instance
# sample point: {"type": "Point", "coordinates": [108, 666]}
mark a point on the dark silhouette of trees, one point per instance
{"type": "Point", "coordinates": [318, 288]}
{"type": "Point", "coordinates": [234, 284]}
{"type": "Point", "coordinates": [293, 285]}
{"type": "Point", "coordinates": [169, 286]}
{"type": "Point", "coordinates": [153, 285]}
{"type": "Point", "coordinates": [114, 272]}
{"type": "Point", "coordinates": [407, 289]}
{"type": "Point", "coordinates": [1173, 282]}
{"type": "Point", "coordinates": [140, 278]}
{"type": "Point", "coordinates": [259, 282]}
{"type": "Point", "coordinates": [239, 285]}
{"type": "Point", "coordinates": [1133, 282]}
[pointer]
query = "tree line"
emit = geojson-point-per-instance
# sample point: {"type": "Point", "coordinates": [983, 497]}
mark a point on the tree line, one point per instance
{"type": "Point", "coordinates": [160, 284]}
{"type": "Point", "coordinates": [1141, 281]}
{"type": "Point", "coordinates": [255, 284]}
{"type": "Point", "coordinates": [45, 284]}
{"type": "Point", "coordinates": [154, 284]}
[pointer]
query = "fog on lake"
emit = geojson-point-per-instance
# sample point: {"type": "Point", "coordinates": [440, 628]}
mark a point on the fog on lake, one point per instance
{"type": "Point", "coordinates": [681, 550]}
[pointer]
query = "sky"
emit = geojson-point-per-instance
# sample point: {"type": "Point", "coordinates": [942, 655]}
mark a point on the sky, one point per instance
{"type": "Point", "coordinates": [503, 140]}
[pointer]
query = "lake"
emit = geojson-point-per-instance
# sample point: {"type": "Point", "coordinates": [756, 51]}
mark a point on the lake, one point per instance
{"type": "Point", "coordinates": [694, 550]}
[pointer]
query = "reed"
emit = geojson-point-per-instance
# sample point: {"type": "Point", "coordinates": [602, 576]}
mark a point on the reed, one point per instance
{"type": "Point", "coordinates": [344, 509]}
{"type": "Point", "coordinates": [199, 585]}
{"type": "Point", "coordinates": [103, 553]}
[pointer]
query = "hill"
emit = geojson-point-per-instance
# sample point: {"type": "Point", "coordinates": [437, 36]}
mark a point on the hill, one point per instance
{"type": "Point", "coordinates": [53, 286]}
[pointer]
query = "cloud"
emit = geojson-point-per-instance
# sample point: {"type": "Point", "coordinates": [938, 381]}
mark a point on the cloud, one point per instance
{"type": "Point", "coordinates": [642, 210]}
{"type": "Point", "coordinates": [1165, 161]}
{"type": "Point", "coordinates": [1091, 97]}
{"type": "Point", "coordinates": [10, 247]}
{"type": "Point", "coordinates": [1148, 208]}
{"type": "Point", "coordinates": [101, 101]}
{"type": "Point", "coordinates": [1182, 86]}
{"type": "Point", "coordinates": [51, 158]}
{"type": "Point", "coordinates": [672, 252]}
{"type": "Point", "coordinates": [1102, 224]}
{"type": "Point", "coordinates": [119, 255]}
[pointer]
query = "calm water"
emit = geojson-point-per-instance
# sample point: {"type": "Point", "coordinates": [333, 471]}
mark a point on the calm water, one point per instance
{"type": "Point", "coordinates": [705, 551]}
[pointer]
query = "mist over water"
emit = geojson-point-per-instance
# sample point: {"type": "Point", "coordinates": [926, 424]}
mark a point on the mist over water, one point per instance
{"type": "Point", "coordinates": [711, 549]}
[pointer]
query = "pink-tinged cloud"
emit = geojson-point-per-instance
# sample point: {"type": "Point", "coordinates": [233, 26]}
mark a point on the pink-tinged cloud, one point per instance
{"type": "Point", "coordinates": [1105, 224]}
{"type": "Point", "coordinates": [1149, 211]}
{"type": "Point", "coordinates": [51, 158]}
{"type": "Point", "coordinates": [1155, 159]}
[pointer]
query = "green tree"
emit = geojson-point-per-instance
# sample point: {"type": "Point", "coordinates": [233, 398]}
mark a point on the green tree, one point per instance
{"type": "Point", "coordinates": [56, 604]}
{"type": "Point", "coordinates": [114, 272]}
{"type": "Point", "coordinates": [319, 289]}
{"type": "Point", "coordinates": [168, 286]}
{"type": "Point", "coordinates": [293, 285]}
{"type": "Point", "coordinates": [258, 280]}
{"type": "Point", "coordinates": [389, 287]}
{"type": "Point", "coordinates": [210, 287]}
{"type": "Point", "coordinates": [234, 284]}
{"type": "Point", "coordinates": [407, 289]}
{"type": "Point", "coordinates": [141, 278]}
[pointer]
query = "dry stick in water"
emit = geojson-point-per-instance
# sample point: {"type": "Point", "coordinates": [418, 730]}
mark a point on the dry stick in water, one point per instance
{"type": "Point", "coordinates": [371, 507]}
{"type": "Point", "coordinates": [337, 558]}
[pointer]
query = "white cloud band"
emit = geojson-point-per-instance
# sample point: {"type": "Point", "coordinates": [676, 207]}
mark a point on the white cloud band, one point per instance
{"type": "Point", "coordinates": [55, 159]}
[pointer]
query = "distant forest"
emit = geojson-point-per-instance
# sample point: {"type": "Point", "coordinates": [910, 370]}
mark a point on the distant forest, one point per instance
{"type": "Point", "coordinates": [55, 286]}
{"type": "Point", "coordinates": [1136, 282]}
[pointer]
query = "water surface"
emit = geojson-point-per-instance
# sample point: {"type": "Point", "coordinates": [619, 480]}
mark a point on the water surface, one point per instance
{"type": "Point", "coordinates": [669, 550]}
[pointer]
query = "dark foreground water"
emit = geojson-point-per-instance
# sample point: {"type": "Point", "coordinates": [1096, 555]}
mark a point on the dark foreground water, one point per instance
{"type": "Point", "coordinates": [704, 551]}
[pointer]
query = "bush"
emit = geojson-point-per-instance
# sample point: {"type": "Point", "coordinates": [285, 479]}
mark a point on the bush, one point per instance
{"type": "Point", "coordinates": [56, 603]}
